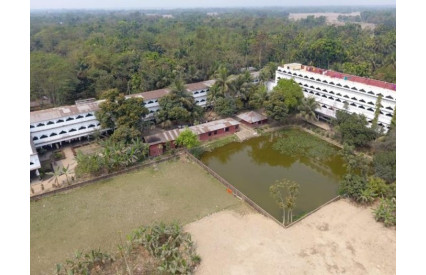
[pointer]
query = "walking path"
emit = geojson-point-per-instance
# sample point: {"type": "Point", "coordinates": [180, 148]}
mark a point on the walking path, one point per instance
{"type": "Point", "coordinates": [246, 132]}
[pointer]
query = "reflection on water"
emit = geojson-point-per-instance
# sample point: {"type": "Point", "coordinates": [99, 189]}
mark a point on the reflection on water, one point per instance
{"type": "Point", "coordinates": [252, 166]}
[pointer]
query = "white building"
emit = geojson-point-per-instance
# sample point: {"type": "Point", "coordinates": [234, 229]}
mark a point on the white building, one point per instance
{"type": "Point", "coordinates": [332, 90]}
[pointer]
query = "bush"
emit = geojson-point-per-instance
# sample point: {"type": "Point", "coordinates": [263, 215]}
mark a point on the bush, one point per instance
{"type": "Point", "coordinates": [84, 263]}
{"type": "Point", "coordinates": [386, 212]}
{"type": "Point", "coordinates": [379, 187]}
{"type": "Point", "coordinates": [354, 186]}
{"type": "Point", "coordinates": [173, 247]}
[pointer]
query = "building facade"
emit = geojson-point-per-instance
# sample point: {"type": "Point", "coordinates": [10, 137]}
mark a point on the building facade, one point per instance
{"type": "Point", "coordinates": [332, 90]}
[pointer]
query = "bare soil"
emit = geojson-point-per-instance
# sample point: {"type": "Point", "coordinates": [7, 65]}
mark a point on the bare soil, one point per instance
{"type": "Point", "coordinates": [339, 238]}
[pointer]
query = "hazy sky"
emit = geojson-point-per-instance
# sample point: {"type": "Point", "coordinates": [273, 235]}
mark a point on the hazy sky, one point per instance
{"type": "Point", "coordinates": [140, 4]}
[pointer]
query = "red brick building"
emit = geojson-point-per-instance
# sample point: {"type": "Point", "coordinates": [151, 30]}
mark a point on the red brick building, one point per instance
{"type": "Point", "coordinates": [207, 131]}
{"type": "Point", "coordinates": [252, 119]}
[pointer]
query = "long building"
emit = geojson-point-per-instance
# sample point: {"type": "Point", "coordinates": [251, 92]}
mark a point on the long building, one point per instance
{"type": "Point", "coordinates": [332, 90]}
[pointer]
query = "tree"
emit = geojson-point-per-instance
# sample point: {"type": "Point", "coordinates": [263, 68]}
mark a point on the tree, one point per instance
{"type": "Point", "coordinates": [377, 113]}
{"type": "Point", "coordinates": [188, 139]}
{"type": "Point", "coordinates": [308, 107]}
{"type": "Point", "coordinates": [179, 106]}
{"type": "Point", "coordinates": [353, 128]}
{"type": "Point", "coordinates": [284, 99]}
{"type": "Point", "coordinates": [124, 115]}
{"type": "Point", "coordinates": [285, 193]}
{"type": "Point", "coordinates": [258, 97]}
{"type": "Point", "coordinates": [224, 81]}
{"type": "Point", "coordinates": [292, 93]}
{"type": "Point", "coordinates": [225, 106]}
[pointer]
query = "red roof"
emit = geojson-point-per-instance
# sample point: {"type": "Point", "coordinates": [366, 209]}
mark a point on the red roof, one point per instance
{"type": "Point", "coordinates": [354, 78]}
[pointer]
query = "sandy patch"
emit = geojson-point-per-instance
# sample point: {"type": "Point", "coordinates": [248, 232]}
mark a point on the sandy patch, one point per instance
{"type": "Point", "coordinates": [339, 238]}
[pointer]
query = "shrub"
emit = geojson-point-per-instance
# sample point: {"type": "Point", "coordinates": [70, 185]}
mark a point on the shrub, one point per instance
{"type": "Point", "coordinates": [173, 247]}
{"type": "Point", "coordinates": [84, 263]}
{"type": "Point", "coordinates": [379, 187]}
{"type": "Point", "coordinates": [386, 211]}
{"type": "Point", "coordinates": [353, 186]}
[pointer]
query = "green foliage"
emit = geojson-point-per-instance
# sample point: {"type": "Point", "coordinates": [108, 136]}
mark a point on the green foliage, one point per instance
{"type": "Point", "coordinates": [86, 263]}
{"type": "Point", "coordinates": [377, 113]}
{"type": "Point", "coordinates": [168, 243]}
{"type": "Point", "coordinates": [179, 106]}
{"type": "Point", "coordinates": [308, 107]}
{"type": "Point", "coordinates": [123, 114]}
{"type": "Point", "coordinates": [133, 52]}
{"type": "Point", "coordinates": [285, 193]}
{"type": "Point", "coordinates": [258, 97]}
{"type": "Point", "coordinates": [301, 144]}
{"type": "Point", "coordinates": [113, 156]}
{"type": "Point", "coordinates": [379, 187]}
{"type": "Point", "coordinates": [386, 211]}
{"type": "Point", "coordinates": [353, 129]}
{"type": "Point", "coordinates": [385, 165]}
{"type": "Point", "coordinates": [354, 186]}
{"type": "Point", "coordinates": [291, 92]}
{"type": "Point", "coordinates": [188, 139]}
{"type": "Point", "coordinates": [225, 106]}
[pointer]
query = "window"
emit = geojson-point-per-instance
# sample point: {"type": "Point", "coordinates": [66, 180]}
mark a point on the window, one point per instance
{"type": "Point", "coordinates": [330, 97]}
{"type": "Point", "coordinates": [371, 103]}
{"type": "Point", "coordinates": [362, 90]}
{"type": "Point", "coordinates": [338, 100]}
{"type": "Point", "coordinates": [332, 83]}
{"type": "Point", "coordinates": [361, 107]}
{"type": "Point", "coordinates": [62, 132]}
{"type": "Point", "coordinates": [312, 87]}
{"type": "Point", "coordinates": [390, 115]}
{"type": "Point", "coordinates": [202, 100]}
{"type": "Point", "coordinates": [295, 74]}
{"type": "Point", "coordinates": [210, 133]}
{"type": "Point", "coordinates": [43, 136]}
{"type": "Point", "coordinates": [389, 97]}
{"type": "Point", "coordinates": [371, 93]}
{"type": "Point", "coordinates": [370, 109]}
{"type": "Point", "coordinates": [40, 124]}
{"type": "Point", "coordinates": [331, 92]}
{"type": "Point", "coordinates": [338, 84]}
{"type": "Point", "coordinates": [325, 81]}
{"type": "Point", "coordinates": [354, 98]}
{"type": "Point", "coordinates": [318, 79]}
{"type": "Point", "coordinates": [324, 96]}
{"type": "Point", "coordinates": [346, 86]}
{"type": "Point", "coordinates": [317, 94]}
{"type": "Point", "coordinates": [339, 94]}
{"type": "Point", "coordinates": [353, 88]}
{"type": "Point", "coordinates": [91, 126]}
{"type": "Point", "coordinates": [35, 138]}
{"type": "Point", "coordinates": [50, 123]}
{"type": "Point", "coordinates": [98, 124]}
{"type": "Point", "coordinates": [300, 83]}
{"type": "Point", "coordinates": [324, 90]}
{"type": "Point", "coordinates": [306, 85]}
{"type": "Point", "coordinates": [346, 96]}
{"type": "Point", "coordinates": [362, 100]}
{"type": "Point", "coordinates": [79, 116]}
{"type": "Point", "coordinates": [311, 92]}
{"type": "Point", "coordinates": [283, 71]}
{"type": "Point", "coordinates": [306, 76]}
{"type": "Point", "coordinates": [324, 106]}
{"type": "Point", "coordinates": [150, 102]}
{"type": "Point", "coordinates": [72, 130]}
{"type": "Point", "coordinates": [389, 108]}
{"type": "Point", "coordinates": [53, 134]}
{"type": "Point", "coordinates": [82, 128]}
{"type": "Point", "coordinates": [318, 88]}
{"type": "Point", "coordinates": [300, 75]}
{"type": "Point", "coordinates": [31, 126]}
{"type": "Point", "coordinates": [379, 94]}
{"type": "Point", "coordinates": [70, 118]}
{"type": "Point", "coordinates": [196, 93]}
{"type": "Point", "coordinates": [151, 111]}
{"type": "Point", "coordinates": [353, 104]}
{"type": "Point", "coordinates": [227, 129]}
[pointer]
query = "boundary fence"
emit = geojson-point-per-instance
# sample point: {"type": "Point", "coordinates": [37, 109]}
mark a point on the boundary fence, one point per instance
{"type": "Point", "coordinates": [110, 175]}
{"type": "Point", "coordinates": [237, 193]}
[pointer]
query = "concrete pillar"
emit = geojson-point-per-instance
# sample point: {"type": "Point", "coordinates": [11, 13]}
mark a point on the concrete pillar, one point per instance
{"type": "Point", "coordinates": [38, 174]}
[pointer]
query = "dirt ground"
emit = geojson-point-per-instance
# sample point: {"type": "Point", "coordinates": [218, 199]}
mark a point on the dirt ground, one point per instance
{"type": "Point", "coordinates": [339, 238]}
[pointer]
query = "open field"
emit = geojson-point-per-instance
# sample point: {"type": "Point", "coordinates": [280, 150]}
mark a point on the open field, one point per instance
{"type": "Point", "coordinates": [96, 215]}
{"type": "Point", "coordinates": [339, 238]}
{"type": "Point", "coordinates": [331, 18]}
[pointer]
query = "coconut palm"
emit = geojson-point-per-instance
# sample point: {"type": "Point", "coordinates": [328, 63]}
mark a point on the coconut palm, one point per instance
{"type": "Point", "coordinates": [55, 175]}
{"type": "Point", "coordinates": [224, 81]}
{"type": "Point", "coordinates": [66, 172]}
{"type": "Point", "coordinates": [308, 107]}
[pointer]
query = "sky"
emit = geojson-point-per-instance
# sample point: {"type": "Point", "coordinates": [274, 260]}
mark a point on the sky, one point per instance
{"type": "Point", "coordinates": [164, 4]}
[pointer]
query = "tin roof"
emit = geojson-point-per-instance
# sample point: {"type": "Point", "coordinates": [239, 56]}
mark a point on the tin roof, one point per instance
{"type": "Point", "coordinates": [251, 117]}
{"type": "Point", "coordinates": [197, 129]}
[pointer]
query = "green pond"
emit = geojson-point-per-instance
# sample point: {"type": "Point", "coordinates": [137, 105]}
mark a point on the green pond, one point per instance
{"type": "Point", "coordinates": [254, 165]}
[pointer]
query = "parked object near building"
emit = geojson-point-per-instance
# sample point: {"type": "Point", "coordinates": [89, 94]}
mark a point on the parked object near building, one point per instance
{"type": "Point", "coordinates": [252, 118]}
{"type": "Point", "coordinates": [210, 130]}
{"type": "Point", "coordinates": [333, 90]}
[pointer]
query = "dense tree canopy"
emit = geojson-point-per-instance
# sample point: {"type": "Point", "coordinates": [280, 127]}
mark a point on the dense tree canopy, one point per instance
{"type": "Point", "coordinates": [354, 129]}
{"type": "Point", "coordinates": [77, 55]}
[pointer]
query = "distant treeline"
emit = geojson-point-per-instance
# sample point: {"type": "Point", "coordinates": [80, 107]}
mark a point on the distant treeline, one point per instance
{"type": "Point", "coordinates": [76, 55]}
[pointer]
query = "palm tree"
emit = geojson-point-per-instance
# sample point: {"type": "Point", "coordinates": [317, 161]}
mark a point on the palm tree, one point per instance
{"type": "Point", "coordinates": [223, 81]}
{"type": "Point", "coordinates": [56, 174]}
{"type": "Point", "coordinates": [308, 107]}
{"type": "Point", "coordinates": [66, 172]}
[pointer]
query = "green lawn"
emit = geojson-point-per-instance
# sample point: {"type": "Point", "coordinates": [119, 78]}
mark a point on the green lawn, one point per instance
{"type": "Point", "coordinates": [94, 216]}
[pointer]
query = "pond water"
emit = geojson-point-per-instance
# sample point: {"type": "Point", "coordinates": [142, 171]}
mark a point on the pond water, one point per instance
{"type": "Point", "coordinates": [253, 166]}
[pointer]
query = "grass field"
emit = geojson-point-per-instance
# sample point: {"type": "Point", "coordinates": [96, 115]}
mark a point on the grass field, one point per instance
{"type": "Point", "coordinates": [96, 215]}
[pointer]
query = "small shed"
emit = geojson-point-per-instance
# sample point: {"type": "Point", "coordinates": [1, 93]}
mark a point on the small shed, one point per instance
{"type": "Point", "coordinates": [252, 118]}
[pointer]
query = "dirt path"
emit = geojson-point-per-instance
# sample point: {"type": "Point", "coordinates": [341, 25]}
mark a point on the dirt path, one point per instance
{"type": "Point", "coordinates": [339, 238]}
